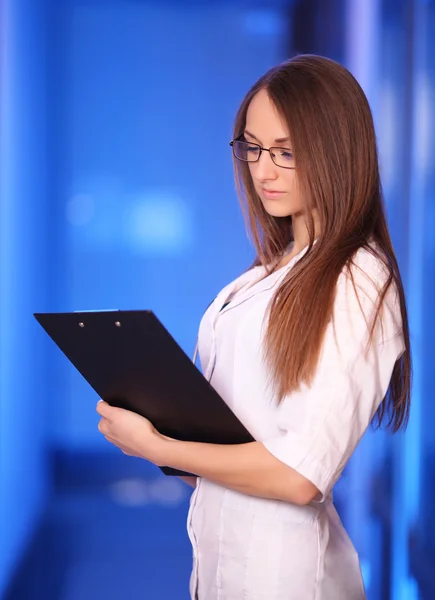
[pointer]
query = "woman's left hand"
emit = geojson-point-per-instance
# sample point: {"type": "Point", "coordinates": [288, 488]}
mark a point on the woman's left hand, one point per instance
{"type": "Point", "coordinates": [130, 432]}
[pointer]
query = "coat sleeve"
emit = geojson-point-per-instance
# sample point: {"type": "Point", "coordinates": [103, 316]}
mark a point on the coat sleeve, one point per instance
{"type": "Point", "coordinates": [321, 424]}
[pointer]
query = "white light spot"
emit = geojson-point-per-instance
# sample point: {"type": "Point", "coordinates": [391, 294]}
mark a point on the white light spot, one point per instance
{"type": "Point", "coordinates": [159, 222]}
{"type": "Point", "coordinates": [167, 490]}
{"type": "Point", "coordinates": [366, 572]}
{"type": "Point", "coordinates": [130, 492]}
{"type": "Point", "coordinates": [423, 118]}
{"type": "Point", "coordinates": [163, 491]}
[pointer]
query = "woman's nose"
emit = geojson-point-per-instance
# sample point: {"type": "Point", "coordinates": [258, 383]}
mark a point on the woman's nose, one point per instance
{"type": "Point", "coordinates": [264, 169]}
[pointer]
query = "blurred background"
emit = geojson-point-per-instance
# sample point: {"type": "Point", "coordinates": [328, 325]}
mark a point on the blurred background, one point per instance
{"type": "Point", "coordinates": [107, 201]}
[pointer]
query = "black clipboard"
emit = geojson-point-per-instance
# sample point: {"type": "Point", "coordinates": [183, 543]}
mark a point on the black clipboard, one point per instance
{"type": "Point", "coordinates": [133, 362]}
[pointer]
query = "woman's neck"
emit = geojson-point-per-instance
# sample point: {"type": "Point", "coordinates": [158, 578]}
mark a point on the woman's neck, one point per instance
{"type": "Point", "coordinates": [301, 238]}
{"type": "Point", "coordinates": [301, 234]}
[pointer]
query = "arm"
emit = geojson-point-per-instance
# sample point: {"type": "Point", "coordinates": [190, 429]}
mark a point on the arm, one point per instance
{"type": "Point", "coordinates": [246, 468]}
{"type": "Point", "coordinates": [320, 424]}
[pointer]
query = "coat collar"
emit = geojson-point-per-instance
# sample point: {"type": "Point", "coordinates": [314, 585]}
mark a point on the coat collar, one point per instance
{"type": "Point", "coordinates": [256, 281]}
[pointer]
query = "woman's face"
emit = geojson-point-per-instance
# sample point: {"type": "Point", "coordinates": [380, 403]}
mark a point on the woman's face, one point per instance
{"type": "Point", "coordinates": [276, 186]}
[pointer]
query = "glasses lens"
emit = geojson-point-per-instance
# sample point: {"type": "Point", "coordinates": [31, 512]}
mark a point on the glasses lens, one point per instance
{"type": "Point", "coordinates": [283, 157]}
{"type": "Point", "coordinates": [246, 151]}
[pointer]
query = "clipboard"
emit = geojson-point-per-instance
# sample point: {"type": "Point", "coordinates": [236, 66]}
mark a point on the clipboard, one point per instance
{"type": "Point", "coordinates": [133, 362]}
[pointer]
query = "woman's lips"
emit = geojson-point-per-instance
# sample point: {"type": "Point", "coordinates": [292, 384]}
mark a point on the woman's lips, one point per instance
{"type": "Point", "coordinates": [272, 193]}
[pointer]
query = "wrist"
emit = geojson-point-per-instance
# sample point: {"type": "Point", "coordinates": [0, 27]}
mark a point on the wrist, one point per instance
{"type": "Point", "coordinates": [164, 450]}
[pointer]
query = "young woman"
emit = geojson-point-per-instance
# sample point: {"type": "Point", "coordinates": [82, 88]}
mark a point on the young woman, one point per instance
{"type": "Point", "coordinates": [307, 347]}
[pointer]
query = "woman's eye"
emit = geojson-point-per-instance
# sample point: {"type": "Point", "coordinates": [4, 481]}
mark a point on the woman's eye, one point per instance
{"type": "Point", "coordinates": [287, 155]}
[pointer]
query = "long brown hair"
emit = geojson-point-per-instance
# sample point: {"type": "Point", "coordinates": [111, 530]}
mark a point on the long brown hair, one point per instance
{"type": "Point", "coordinates": [334, 145]}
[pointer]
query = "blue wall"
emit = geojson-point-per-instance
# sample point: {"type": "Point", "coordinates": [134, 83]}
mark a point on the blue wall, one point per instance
{"type": "Point", "coordinates": [149, 210]}
{"type": "Point", "coordinates": [109, 198]}
{"type": "Point", "coordinates": [23, 282]}
{"type": "Point", "coordinates": [117, 191]}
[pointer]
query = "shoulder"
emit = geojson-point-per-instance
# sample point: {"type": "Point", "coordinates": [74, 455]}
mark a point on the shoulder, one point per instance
{"type": "Point", "coordinates": [366, 275]}
{"type": "Point", "coordinates": [361, 289]}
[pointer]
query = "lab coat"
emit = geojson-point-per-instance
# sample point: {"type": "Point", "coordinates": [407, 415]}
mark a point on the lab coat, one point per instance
{"type": "Point", "coordinates": [252, 548]}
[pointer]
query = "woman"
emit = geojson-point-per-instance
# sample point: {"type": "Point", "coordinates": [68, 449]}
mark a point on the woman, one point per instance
{"type": "Point", "coordinates": [307, 347]}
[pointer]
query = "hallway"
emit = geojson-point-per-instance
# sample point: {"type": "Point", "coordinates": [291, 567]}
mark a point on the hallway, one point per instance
{"type": "Point", "coordinates": [114, 527]}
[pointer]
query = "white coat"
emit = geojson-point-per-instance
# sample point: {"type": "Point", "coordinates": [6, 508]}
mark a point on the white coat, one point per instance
{"type": "Point", "coordinates": [249, 548]}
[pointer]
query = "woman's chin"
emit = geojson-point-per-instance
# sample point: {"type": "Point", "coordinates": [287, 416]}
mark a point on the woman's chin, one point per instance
{"type": "Point", "coordinates": [277, 211]}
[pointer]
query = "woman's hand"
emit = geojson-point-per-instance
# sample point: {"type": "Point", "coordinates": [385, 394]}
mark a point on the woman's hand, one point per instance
{"type": "Point", "coordinates": [130, 432]}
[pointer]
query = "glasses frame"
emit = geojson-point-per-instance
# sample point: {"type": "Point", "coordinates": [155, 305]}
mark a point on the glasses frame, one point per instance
{"type": "Point", "coordinates": [261, 150]}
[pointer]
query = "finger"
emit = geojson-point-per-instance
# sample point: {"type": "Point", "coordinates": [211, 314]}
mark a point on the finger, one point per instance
{"type": "Point", "coordinates": [124, 449]}
{"type": "Point", "coordinates": [103, 426]}
{"type": "Point", "coordinates": [101, 406]}
{"type": "Point", "coordinates": [104, 409]}
{"type": "Point", "coordinates": [111, 440]}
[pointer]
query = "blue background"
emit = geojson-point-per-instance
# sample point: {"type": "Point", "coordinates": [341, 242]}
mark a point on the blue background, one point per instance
{"type": "Point", "coordinates": [110, 198]}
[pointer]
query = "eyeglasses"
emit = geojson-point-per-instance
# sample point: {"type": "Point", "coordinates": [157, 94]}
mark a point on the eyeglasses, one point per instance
{"type": "Point", "coordinates": [250, 152]}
